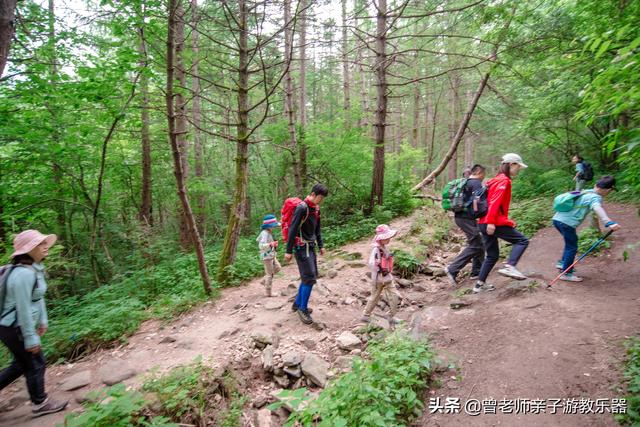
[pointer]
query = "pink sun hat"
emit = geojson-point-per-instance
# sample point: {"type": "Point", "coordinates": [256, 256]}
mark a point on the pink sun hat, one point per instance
{"type": "Point", "coordinates": [383, 232]}
{"type": "Point", "coordinates": [26, 241]}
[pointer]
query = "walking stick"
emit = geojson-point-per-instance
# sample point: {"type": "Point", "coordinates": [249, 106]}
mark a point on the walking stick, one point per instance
{"type": "Point", "coordinates": [595, 245]}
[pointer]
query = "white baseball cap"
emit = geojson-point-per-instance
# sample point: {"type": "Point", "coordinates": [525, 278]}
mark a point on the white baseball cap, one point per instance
{"type": "Point", "coordinates": [513, 158]}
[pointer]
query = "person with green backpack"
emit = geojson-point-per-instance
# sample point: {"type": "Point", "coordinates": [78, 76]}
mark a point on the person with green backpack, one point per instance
{"type": "Point", "coordinates": [475, 206]}
{"type": "Point", "coordinates": [571, 209]}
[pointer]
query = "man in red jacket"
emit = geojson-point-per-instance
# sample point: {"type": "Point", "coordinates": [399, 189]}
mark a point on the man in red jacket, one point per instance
{"type": "Point", "coordinates": [497, 225]}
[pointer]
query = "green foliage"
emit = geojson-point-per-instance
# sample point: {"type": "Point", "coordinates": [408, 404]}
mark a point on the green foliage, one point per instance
{"type": "Point", "coordinates": [532, 215]}
{"type": "Point", "coordinates": [632, 378]}
{"type": "Point", "coordinates": [381, 391]}
{"type": "Point", "coordinates": [587, 237]}
{"type": "Point", "coordinates": [115, 407]}
{"type": "Point", "coordinates": [405, 265]}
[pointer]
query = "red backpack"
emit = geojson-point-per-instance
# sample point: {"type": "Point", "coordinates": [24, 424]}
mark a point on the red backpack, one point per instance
{"type": "Point", "coordinates": [288, 208]}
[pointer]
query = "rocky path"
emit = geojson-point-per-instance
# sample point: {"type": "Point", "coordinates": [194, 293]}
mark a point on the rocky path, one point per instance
{"type": "Point", "coordinates": [520, 341]}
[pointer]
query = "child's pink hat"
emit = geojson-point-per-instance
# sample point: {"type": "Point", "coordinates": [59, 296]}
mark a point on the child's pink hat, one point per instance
{"type": "Point", "coordinates": [384, 232]}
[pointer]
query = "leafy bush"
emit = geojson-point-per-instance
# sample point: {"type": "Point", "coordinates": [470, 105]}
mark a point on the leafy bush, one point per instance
{"type": "Point", "coordinates": [384, 390]}
{"type": "Point", "coordinates": [532, 215]}
{"type": "Point", "coordinates": [115, 407]}
{"type": "Point", "coordinates": [632, 378]}
{"type": "Point", "coordinates": [405, 265]}
{"type": "Point", "coordinates": [587, 237]}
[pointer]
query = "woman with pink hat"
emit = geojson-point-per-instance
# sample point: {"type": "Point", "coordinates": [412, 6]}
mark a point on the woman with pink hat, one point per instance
{"type": "Point", "coordinates": [23, 317]}
{"type": "Point", "coordinates": [381, 262]}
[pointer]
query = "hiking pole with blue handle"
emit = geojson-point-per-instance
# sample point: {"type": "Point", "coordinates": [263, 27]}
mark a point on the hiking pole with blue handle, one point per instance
{"type": "Point", "coordinates": [595, 245]}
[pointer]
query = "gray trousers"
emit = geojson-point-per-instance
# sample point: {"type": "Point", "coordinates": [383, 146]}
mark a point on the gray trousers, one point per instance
{"type": "Point", "coordinates": [474, 251]}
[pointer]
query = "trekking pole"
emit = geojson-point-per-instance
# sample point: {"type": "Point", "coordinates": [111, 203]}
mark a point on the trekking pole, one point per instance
{"type": "Point", "coordinates": [595, 245]}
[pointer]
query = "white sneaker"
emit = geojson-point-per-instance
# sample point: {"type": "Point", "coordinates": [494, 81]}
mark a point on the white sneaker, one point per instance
{"type": "Point", "coordinates": [511, 271]}
{"type": "Point", "coordinates": [570, 277]}
{"type": "Point", "coordinates": [483, 287]}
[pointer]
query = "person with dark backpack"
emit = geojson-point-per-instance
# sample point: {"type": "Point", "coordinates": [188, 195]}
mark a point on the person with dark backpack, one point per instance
{"type": "Point", "coordinates": [475, 200]}
{"type": "Point", "coordinates": [302, 233]}
{"type": "Point", "coordinates": [584, 172]}
{"type": "Point", "coordinates": [23, 317]}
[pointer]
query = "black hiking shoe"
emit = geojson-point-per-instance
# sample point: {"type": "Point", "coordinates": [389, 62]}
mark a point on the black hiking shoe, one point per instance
{"type": "Point", "coordinates": [305, 317]}
{"type": "Point", "coordinates": [294, 308]}
{"type": "Point", "coordinates": [482, 287]}
{"type": "Point", "coordinates": [49, 406]}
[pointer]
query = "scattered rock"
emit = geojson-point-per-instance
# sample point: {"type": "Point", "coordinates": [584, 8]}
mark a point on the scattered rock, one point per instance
{"type": "Point", "coordinates": [381, 322]}
{"type": "Point", "coordinates": [282, 380]}
{"type": "Point", "coordinates": [356, 264]}
{"type": "Point", "coordinates": [229, 332]}
{"type": "Point", "coordinates": [294, 371]}
{"type": "Point", "coordinates": [76, 381]}
{"type": "Point", "coordinates": [352, 256]}
{"type": "Point", "coordinates": [348, 301]}
{"type": "Point", "coordinates": [331, 274]}
{"type": "Point", "coordinates": [260, 401]}
{"type": "Point", "coordinates": [309, 343]}
{"type": "Point", "coordinates": [348, 341]}
{"type": "Point", "coordinates": [116, 372]}
{"type": "Point", "coordinates": [291, 358]}
{"type": "Point", "coordinates": [267, 358]}
{"type": "Point", "coordinates": [262, 338]}
{"type": "Point", "coordinates": [404, 283]}
{"type": "Point", "coordinates": [274, 305]}
{"type": "Point", "coordinates": [315, 369]}
{"type": "Point", "coordinates": [356, 352]}
{"type": "Point", "coordinates": [343, 363]}
{"type": "Point", "coordinates": [419, 288]}
{"type": "Point", "coordinates": [458, 304]}
{"type": "Point", "coordinates": [319, 326]}
{"type": "Point", "coordinates": [438, 272]}
{"type": "Point", "coordinates": [263, 418]}
{"type": "Point", "coordinates": [167, 340]}
{"type": "Point", "coordinates": [291, 289]}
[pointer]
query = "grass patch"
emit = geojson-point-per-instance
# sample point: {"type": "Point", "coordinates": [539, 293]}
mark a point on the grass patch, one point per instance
{"type": "Point", "coordinates": [532, 215]}
{"type": "Point", "coordinates": [405, 265]}
{"type": "Point", "coordinates": [632, 380]}
{"type": "Point", "coordinates": [587, 237]}
{"type": "Point", "coordinates": [383, 390]}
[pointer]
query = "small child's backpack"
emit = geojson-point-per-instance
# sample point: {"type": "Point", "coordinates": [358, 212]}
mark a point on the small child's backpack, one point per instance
{"type": "Point", "coordinates": [453, 195]}
{"type": "Point", "coordinates": [286, 213]}
{"type": "Point", "coordinates": [566, 202]}
{"type": "Point", "coordinates": [386, 264]}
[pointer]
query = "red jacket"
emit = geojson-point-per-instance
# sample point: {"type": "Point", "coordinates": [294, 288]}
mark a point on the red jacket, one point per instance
{"type": "Point", "coordinates": [498, 198]}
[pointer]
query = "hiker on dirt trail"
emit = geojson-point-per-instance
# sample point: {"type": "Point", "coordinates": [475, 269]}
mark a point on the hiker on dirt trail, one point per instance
{"type": "Point", "coordinates": [584, 172]}
{"type": "Point", "coordinates": [268, 251]}
{"type": "Point", "coordinates": [567, 222]}
{"type": "Point", "coordinates": [466, 220]}
{"type": "Point", "coordinates": [23, 317]}
{"type": "Point", "coordinates": [381, 263]}
{"type": "Point", "coordinates": [497, 225]}
{"type": "Point", "coordinates": [303, 236]}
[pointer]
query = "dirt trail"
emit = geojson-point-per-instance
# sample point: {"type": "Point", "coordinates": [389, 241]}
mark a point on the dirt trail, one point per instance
{"type": "Point", "coordinates": [507, 344]}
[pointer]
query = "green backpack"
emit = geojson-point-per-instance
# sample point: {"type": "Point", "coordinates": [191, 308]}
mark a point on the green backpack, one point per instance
{"type": "Point", "coordinates": [566, 202]}
{"type": "Point", "coordinates": [453, 195]}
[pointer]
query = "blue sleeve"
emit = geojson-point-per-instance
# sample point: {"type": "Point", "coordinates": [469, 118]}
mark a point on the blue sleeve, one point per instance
{"type": "Point", "coordinates": [21, 283]}
{"type": "Point", "coordinates": [579, 167]}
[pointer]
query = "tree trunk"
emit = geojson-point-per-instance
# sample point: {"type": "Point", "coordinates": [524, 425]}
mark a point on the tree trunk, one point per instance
{"type": "Point", "coordinates": [7, 30]}
{"type": "Point", "coordinates": [173, 28]}
{"type": "Point", "coordinates": [181, 116]}
{"type": "Point", "coordinates": [145, 215]}
{"type": "Point", "coordinates": [363, 121]}
{"type": "Point", "coordinates": [289, 111]}
{"type": "Point", "coordinates": [197, 120]}
{"type": "Point", "coordinates": [459, 134]}
{"type": "Point", "coordinates": [469, 139]}
{"type": "Point", "coordinates": [302, 148]}
{"type": "Point", "coordinates": [345, 67]}
{"type": "Point", "coordinates": [377, 187]}
{"type": "Point", "coordinates": [453, 124]}
{"type": "Point", "coordinates": [238, 214]}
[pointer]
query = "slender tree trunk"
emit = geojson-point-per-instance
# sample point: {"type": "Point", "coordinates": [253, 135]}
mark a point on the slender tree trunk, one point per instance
{"type": "Point", "coordinates": [145, 214]}
{"type": "Point", "coordinates": [345, 67]}
{"type": "Point", "coordinates": [459, 134]}
{"type": "Point", "coordinates": [453, 123]}
{"type": "Point", "coordinates": [173, 31]}
{"type": "Point", "coordinates": [415, 128]}
{"type": "Point", "coordinates": [289, 110]}
{"type": "Point", "coordinates": [197, 120]}
{"type": "Point", "coordinates": [363, 121]}
{"type": "Point", "coordinates": [181, 116]}
{"type": "Point", "coordinates": [238, 214]}
{"type": "Point", "coordinates": [469, 140]}
{"type": "Point", "coordinates": [7, 30]}
{"type": "Point", "coordinates": [377, 187]}
{"type": "Point", "coordinates": [302, 147]}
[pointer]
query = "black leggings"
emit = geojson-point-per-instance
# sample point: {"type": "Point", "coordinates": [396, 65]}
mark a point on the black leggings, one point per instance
{"type": "Point", "coordinates": [32, 366]}
{"type": "Point", "coordinates": [492, 246]}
